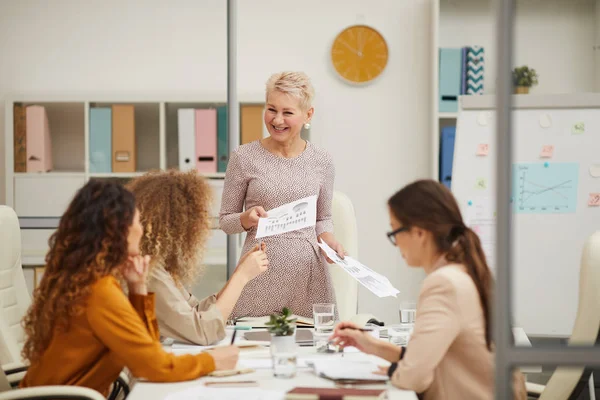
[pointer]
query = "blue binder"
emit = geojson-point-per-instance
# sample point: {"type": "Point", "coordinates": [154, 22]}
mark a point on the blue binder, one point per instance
{"type": "Point", "coordinates": [100, 140]}
{"type": "Point", "coordinates": [450, 79]}
{"type": "Point", "coordinates": [447, 155]}
{"type": "Point", "coordinates": [222, 139]}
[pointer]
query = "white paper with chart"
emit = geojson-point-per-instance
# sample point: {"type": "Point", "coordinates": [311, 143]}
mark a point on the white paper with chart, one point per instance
{"type": "Point", "coordinates": [289, 217]}
{"type": "Point", "coordinates": [376, 283]}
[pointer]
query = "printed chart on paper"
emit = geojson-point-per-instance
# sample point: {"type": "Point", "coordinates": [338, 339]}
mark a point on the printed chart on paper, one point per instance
{"type": "Point", "coordinates": [545, 188]}
{"type": "Point", "coordinates": [289, 217]}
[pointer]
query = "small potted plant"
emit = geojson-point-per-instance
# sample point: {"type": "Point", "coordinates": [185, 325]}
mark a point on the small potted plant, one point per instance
{"type": "Point", "coordinates": [283, 343]}
{"type": "Point", "coordinates": [524, 78]}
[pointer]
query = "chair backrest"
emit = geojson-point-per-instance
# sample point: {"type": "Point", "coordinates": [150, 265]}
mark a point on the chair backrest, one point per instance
{"type": "Point", "coordinates": [346, 287]}
{"type": "Point", "coordinates": [568, 382]}
{"type": "Point", "coordinates": [14, 296]}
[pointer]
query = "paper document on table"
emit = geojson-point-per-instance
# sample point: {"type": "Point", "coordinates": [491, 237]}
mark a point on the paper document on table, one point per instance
{"type": "Point", "coordinates": [289, 217]}
{"type": "Point", "coordinates": [376, 283]}
{"type": "Point", "coordinates": [340, 369]}
{"type": "Point", "coordinates": [200, 392]}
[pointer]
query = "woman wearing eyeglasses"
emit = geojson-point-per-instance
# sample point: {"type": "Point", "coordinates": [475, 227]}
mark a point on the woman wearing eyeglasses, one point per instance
{"type": "Point", "coordinates": [450, 353]}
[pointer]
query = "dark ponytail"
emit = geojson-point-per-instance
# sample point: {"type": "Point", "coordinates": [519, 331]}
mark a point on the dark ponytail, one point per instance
{"type": "Point", "coordinates": [431, 206]}
{"type": "Point", "coordinates": [467, 250]}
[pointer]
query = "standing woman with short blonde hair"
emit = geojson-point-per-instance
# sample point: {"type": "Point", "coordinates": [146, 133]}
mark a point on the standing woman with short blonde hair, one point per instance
{"type": "Point", "coordinates": [268, 173]}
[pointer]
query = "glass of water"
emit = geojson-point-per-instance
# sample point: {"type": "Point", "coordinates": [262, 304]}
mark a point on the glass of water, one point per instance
{"type": "Point", "coordinates": [408, 312]}
{"type": "Point", "coordinates": [324, 318]}
{"type": "Point", "coordinates": [284, 353]}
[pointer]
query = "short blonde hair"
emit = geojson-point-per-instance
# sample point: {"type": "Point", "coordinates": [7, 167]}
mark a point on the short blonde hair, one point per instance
{"type": "Point", "coordinates": [295, 84]}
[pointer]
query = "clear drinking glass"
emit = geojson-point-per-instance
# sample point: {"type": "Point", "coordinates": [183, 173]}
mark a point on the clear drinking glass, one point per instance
{"type": "Point", "coordinates": [324, 320]}
{"type": "Point", "coordinates": [408, 312]}
{"type": "Point", "coordinates": [284, 353]}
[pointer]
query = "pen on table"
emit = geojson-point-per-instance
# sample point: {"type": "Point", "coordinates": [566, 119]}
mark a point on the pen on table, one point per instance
{"type": "Point", "coordinates": [358, 329]}
{"type": "Point", "coordinates": [233, 337]}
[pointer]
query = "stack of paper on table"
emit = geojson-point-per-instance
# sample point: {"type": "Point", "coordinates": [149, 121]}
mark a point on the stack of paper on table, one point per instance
{"type": "Point", "coordinates": [260, 322]}
{"type": "Point", "coordinates": [376, 283]}
{"type": "Point", "coordinates": [339, 369]}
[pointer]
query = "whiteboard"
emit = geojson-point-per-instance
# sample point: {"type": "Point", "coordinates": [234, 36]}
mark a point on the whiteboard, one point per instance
{"type": "Point", "coordinates": [556, 167]}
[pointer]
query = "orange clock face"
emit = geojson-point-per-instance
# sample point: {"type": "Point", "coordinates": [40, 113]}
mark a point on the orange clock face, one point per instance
{"type": "Point", "coordinates": [359, 54]}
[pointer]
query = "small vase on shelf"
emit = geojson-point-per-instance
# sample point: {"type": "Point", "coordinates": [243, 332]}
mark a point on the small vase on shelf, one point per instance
{"type": "Point", "coordinates": [522, 90]}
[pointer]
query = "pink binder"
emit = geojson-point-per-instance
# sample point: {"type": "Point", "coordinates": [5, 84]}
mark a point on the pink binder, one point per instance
{"type": "Point", "coordinates": [39, 147]}
{"type": "Point", "coordinates": [206, 140]}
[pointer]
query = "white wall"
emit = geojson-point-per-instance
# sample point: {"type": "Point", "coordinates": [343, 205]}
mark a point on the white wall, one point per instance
{"type": "Point", "coordinates": [597, 46]}
{"type": "Point", "coordinates": [376, 134]}
{"type": "Point", "coordinates": [555, 37]}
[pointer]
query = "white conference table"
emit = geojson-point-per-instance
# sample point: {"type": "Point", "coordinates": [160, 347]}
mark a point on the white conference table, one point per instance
{"type": "Point", "coordinates": [264, 377]}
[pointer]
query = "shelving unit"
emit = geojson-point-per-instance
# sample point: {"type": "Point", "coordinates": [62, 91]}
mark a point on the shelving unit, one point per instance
{"type": "Point", "coordinates": [544, 39]}
{"type": "Point", "coordinates": [47, 194]}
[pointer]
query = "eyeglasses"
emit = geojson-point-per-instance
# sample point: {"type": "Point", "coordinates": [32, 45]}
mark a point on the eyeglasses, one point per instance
{"type": "Point", "coordinates": [392, 235]}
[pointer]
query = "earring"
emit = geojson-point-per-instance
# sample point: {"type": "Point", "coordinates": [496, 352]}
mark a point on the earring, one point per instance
{"type": "Point", "coordinates": [307, 126]}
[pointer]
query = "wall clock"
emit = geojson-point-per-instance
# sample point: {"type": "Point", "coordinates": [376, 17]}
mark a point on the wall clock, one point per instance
{"type": "Point", "coordinates": [359, 54]}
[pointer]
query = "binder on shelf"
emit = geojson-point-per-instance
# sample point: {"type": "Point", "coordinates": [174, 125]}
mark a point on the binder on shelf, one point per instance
{"type": "Point", "coordinates": [475, 70]}
{"type": "Point", "coordinates": [251, 123]}
{"type": "Point", "coordinates": [38, 145]}
{"type": "Point", "coordinates": [186, 118]}
{"type": "Point", "coordinates": [463, 70]}
{"type": "Point", "coordinates": [206, 140]}
{"type": "Point", "coordinates": [447, 155]}
{"type": "Point", "coordinates": [100, 140]}
{"type": "Point", "coordinates": [123, 138]}
{"type": "Point", "coordinates": [20, 138]}
{"type": "Point", "coordinates": [449, 79]}
{"type": "Point", "coordinates": [222, 141]}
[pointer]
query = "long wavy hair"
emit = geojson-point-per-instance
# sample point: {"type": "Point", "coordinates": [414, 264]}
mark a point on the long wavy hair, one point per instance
{"type": "Point", "coordinates": [175, 213]}
{"type": "Point", "coordinates": [90, 243]}
{"type": "Point", "coordinates": [429, 205]}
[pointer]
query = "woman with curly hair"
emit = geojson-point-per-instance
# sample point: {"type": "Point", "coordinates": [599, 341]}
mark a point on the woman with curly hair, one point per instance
{"type": "Point", "coordinates": [81, 328]}
{"type": "Point", "coordinates": [175, 213]}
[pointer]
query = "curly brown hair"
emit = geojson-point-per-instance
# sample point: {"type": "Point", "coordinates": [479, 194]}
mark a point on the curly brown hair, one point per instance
{"type": "Point", "coordinates": [175, 213]}
{"type": "Point", "coordinates": [90, 243]}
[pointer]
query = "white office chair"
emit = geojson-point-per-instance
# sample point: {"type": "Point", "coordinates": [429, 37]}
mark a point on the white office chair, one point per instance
{"type": "Point", "coordinates": [14, 296]}
{"type": "Point", "coordinates": [346, 287]}
{"type": "Point", "coordinates": [14, 302]}
{"type": "Point", "coordinates": [568, 382]}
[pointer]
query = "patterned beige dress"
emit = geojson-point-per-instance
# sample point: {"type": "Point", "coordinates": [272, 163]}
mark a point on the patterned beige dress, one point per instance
{"type": "Point", "coordinates": [298, 275]}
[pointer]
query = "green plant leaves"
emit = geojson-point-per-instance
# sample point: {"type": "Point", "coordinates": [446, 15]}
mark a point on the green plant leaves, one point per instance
{"type": "Point", "coordinates": [282, 324]}
{"type": "Point", "coordinates": [524, 76]}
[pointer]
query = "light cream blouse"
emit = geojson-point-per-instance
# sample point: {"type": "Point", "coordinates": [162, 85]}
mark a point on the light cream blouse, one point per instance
{"type": "Point", "coordinates": [447, 357]}
{"type": "Point", "coordinates": [181, 315]}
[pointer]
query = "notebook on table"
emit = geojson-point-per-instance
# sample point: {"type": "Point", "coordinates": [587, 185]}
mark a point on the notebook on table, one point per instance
{"type": "Point", "coordinates": [313, 393]}
{"type": "Point", "coordinates": [303, 336]}
{"type": "Point", "coordinates": [260, 322]}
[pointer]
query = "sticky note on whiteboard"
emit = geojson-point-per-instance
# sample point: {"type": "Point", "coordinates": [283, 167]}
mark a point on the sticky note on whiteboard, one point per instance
{"type": "Point", "coordinates": [483, 149]}
{"type": "Point", "coordinates": [547, 151]}
{"type": "Point", "coordinates": [594, 200]}
{"type": "Point", "coordinates": [578, 128]}
{"type": "Point", "coordinates": [480, 183]}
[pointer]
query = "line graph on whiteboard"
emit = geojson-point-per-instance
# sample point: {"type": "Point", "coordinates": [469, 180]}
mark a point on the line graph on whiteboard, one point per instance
{"type": "Point", "coordinates": [545, 188]}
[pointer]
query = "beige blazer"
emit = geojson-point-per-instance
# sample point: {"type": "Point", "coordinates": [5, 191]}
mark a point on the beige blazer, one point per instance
{"type": "Point", "coordinates": [446, 357]}
{"type": "Point", "coordinates": [181, 315]}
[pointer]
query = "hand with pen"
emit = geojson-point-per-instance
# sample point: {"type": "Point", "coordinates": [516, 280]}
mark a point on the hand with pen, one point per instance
{"type": "Point", "coordinates": [348, 334]}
